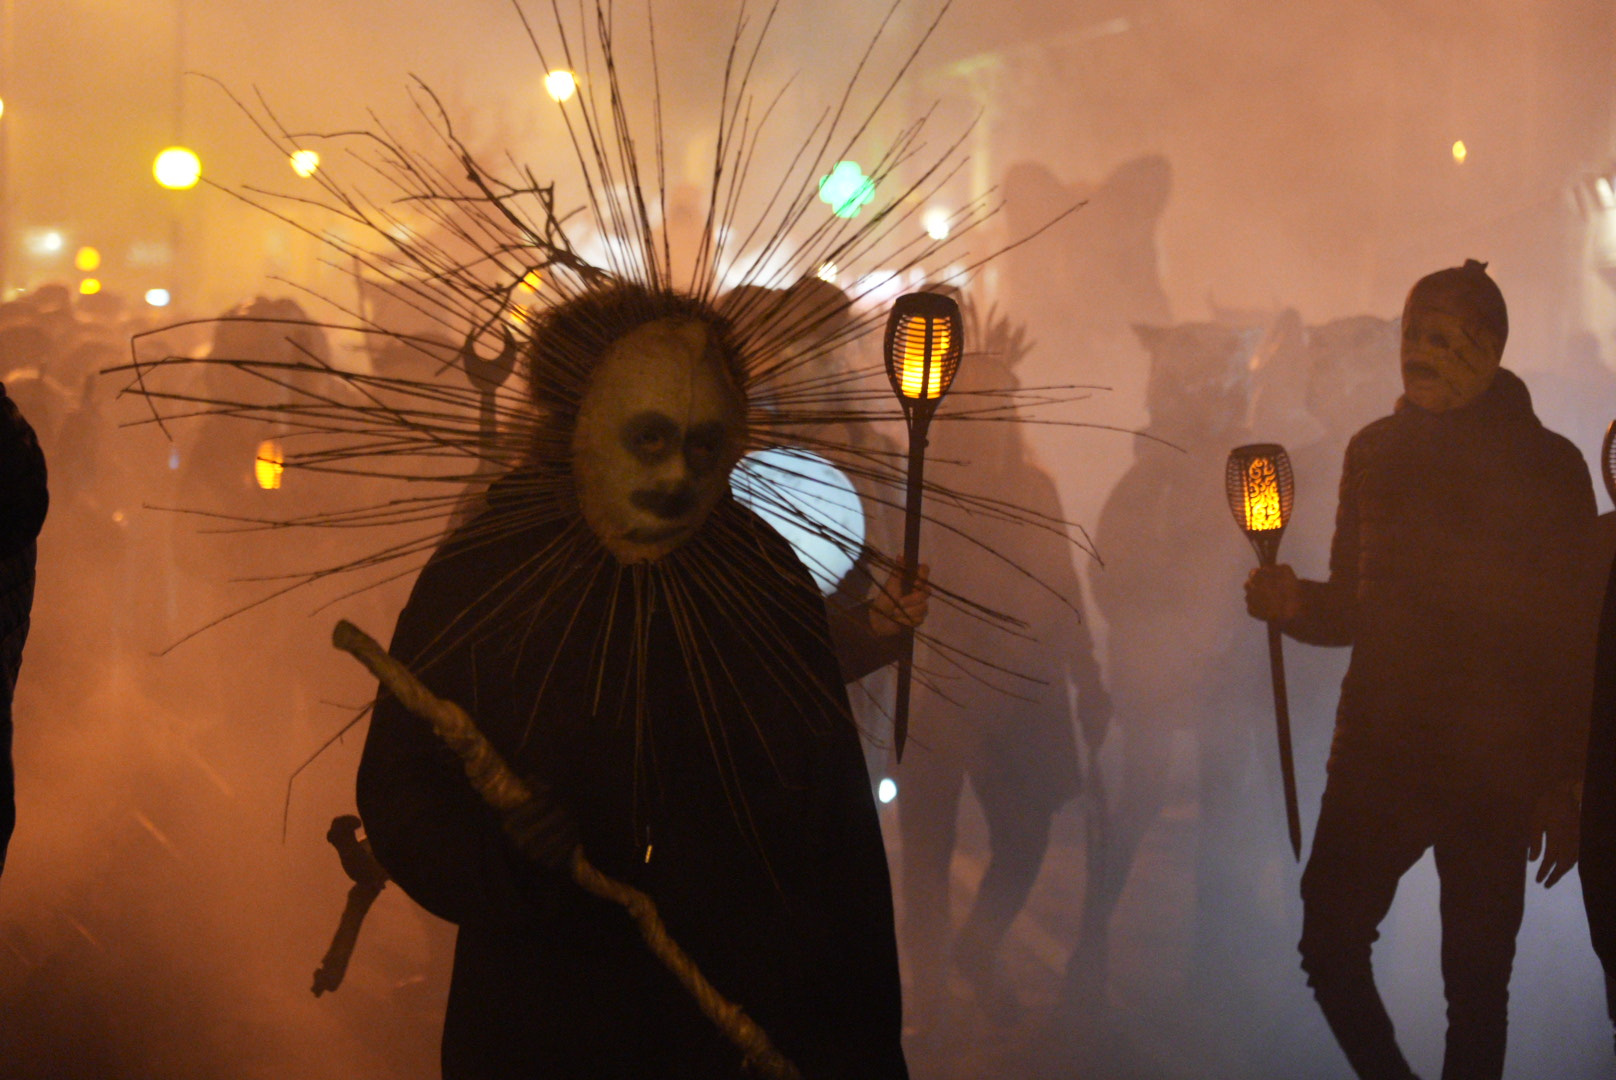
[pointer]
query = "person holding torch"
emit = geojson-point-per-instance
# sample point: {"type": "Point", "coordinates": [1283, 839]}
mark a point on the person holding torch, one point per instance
{"type": "Point", "coordinates": [1454, 571]}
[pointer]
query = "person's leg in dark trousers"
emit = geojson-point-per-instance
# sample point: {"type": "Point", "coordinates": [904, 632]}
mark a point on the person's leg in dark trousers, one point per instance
{"type": "Point", "coordinates": [1018, 838]}
{"type": "Point", "coordinates": [1361, 850]}
{"type": "Point", "coordinates": [928, 815]}
{"type": "Point", "coordinates": [1482, 866]}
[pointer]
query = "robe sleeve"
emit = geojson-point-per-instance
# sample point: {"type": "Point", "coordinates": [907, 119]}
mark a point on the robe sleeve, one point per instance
{"type": "Point", "coordinates": [1329, 608]}
{"type": "Point", "coordinates": [865, 1002]}
{"type": "Point", "coordinates": [430, 830]}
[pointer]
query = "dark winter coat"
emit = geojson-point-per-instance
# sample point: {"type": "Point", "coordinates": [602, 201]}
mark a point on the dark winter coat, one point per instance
{"type": "Point", "coordinates": [23, 502]}
{"type": "Point", "coordinates": [738, 800]}
{"type": "Point", "coordinates": [1598, 867]}
{"type": "Point", "coordinates": [1455, 575]}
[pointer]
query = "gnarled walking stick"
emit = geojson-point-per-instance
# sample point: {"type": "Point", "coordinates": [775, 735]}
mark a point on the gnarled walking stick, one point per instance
{"type": "Point", "coordinates": [368, 881]}
{"type": "Point", "coordinates": [506, 792]}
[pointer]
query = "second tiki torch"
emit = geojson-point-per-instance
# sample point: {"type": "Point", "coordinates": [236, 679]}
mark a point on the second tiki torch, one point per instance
{"type": "Point", "coordinates": [1261, 488]}
{"type": "Point", "coordinates": [924, 340]}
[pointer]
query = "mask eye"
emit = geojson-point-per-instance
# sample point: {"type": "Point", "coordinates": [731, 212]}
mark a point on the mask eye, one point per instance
{"type": "Point", "coordinates": [704, 447]}
{"type": "Point", "coordinates": [650, 437]}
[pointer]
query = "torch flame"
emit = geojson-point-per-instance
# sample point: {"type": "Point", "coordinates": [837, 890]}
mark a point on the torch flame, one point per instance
{"type": "Point", "coordinates": [1263, 510]}
{"type": "Point", "coordinates": [912, 368]}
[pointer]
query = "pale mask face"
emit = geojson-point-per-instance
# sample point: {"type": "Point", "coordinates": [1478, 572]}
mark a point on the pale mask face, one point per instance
{"type": "Point", "coordinates": [658, 431]}
{"type": "Point", "coordinates": [1448, 361]}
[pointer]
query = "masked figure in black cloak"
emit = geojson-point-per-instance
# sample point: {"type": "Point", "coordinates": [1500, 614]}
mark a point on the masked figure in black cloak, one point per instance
{"type": "Point", "coordinates": [655, 661]}
{"type": "Point", "coordinates": [1458, 557]}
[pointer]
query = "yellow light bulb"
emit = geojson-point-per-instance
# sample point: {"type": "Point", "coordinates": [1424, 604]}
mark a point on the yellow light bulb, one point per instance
{"type": "Point", "coordinates": [87, 259]}
{"type": "Point", "coordinates": [177, 169]}
{"type": "Point", "coordinates": [89, 287]}
{"type": "Point", "coordinates": [560, 85]}
{"type": "Point", "coordinates": [1460, 152]}
{"type": "Point", "coordinates": [269, 465]}
{"type": "Point", "coordinates": [305, 163]}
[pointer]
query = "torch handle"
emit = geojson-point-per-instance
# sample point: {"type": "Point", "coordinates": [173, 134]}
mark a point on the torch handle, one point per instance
{"type": "Point", "coordinates": [1282, 719]}
{"type": "Point", "coordinates": [911, 563]}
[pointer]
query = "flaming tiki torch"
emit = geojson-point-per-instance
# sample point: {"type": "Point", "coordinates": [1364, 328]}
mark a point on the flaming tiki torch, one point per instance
{"type": "Point", "coordinates": [1261, 488]}
{"type": "Point", "coordinates": [924, 340]}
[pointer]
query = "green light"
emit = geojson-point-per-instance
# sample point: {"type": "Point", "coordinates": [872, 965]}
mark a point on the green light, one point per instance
{"type": "Point", "coordinates": [846, 189]}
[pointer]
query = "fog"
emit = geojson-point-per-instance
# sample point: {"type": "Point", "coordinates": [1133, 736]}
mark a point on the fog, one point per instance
{"type": "Point", "coordinates": [1259, 184]}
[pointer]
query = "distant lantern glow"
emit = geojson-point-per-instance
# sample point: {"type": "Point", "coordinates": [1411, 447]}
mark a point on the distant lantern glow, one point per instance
{"type": "Point", "coordinates": [936, 223]}
{"type": "Point", "coordinates": [532, 281]}
{"type": "Point", "coordinates": [157, 297]}
{"type": "Point", "coordinates": [560, 85]}
{"type": "Point", "coordinates": [887, 789]}
{"type": "Point", "coordinates": [89, 287]}
{"type": "Point", "coordinates": [846, 189]}
{"type": "Point", "coordinates": [305, 163]}
{"type": "Point", "coordinates": [269, 465]}
{"type": "Point", "coordinates": [827, 272]}
{"type": "Point", "coordinates": [87, 259]}
{"type": "Point", "coordinates": [177, 169]}
{"type": "Point", "coordinates": [1460, 152]}
{"type": "Point", "coordinates": [49, 242]}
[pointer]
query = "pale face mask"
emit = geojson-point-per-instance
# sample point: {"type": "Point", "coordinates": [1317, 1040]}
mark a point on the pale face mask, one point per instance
{"type": "Point", "coordinates": [658, 431]}
{"type": "Point", "coordinates": [1448, 360]}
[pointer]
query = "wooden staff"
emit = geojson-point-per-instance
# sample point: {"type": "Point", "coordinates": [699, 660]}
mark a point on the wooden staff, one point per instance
{"type": "Point", "coordinates": [506, 792]}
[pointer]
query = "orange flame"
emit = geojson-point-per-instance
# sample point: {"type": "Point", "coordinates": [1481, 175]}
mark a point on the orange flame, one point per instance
{"type": "Point", "coordinates": [912, 357]}
{"type": "Point", "coordinates": [1263, 510]}
{"type": "Point", "coordinates": [269, 465]}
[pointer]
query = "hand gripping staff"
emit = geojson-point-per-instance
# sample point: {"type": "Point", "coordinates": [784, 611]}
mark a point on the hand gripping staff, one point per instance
{"type": "Point", "coordinates": [1261, 488]}
{"type": "Point", "coordinates": [507, 793]}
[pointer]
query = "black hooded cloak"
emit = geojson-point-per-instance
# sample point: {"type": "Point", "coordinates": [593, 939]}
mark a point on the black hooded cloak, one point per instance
{"type": "Point", "coordinates": [691, 717]}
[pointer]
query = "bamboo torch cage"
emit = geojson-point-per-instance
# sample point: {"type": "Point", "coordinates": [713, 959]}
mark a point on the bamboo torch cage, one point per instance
{"type": "Point", "coordinates": [1261, 490]}
{"type": "Point", "coordinates": [924, 341]}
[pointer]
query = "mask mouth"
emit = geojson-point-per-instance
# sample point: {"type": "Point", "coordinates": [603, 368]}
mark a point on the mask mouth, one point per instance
{"type": "Point", "coordinates": [1419, 369]}
{"type": "Point", "coordinates": [668, 505]}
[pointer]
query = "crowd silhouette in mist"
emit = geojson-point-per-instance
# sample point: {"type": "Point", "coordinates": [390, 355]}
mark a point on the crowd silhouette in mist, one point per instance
{"type": "Point", "coordinates": [1465, 567]}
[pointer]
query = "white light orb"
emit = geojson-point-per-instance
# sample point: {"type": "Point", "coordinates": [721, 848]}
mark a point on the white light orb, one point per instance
{"type": "Point", "coordinates": [811, 503]}
{"type": "Point", "coordinates": [560, 85]}
{"type": "Point", "coordinates": [177, 169]}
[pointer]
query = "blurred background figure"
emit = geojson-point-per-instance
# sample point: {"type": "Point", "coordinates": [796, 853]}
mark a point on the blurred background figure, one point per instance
{"type": "Point", "coordinates": [23, 502]}
{"type": "Point", "coordinates": [1576, 397]}
{"type": "Point", "coordinates": [992, 706]}
{"type": "Point", "coordinates": [1182, 667]}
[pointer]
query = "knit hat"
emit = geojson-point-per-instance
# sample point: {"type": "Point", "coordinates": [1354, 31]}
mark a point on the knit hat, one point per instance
{"type": "Point", "coordinates": [1465, 291]}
